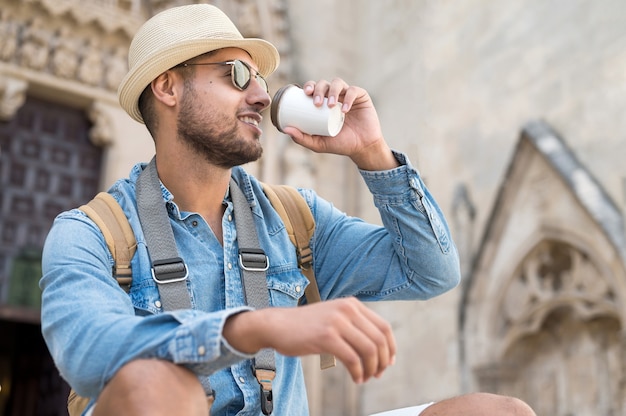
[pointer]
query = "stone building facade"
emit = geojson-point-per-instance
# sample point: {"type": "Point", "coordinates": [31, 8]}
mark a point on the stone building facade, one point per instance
{"type": "Point", "coordinates": [512, 111]}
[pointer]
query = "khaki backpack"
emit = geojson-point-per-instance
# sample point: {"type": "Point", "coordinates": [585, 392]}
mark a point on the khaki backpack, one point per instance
{"type": "Point", "coordinates": [105, 211]}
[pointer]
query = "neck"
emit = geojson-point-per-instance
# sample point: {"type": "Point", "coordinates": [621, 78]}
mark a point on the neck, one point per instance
{"type": "Point", "coordinates": [197, 186]}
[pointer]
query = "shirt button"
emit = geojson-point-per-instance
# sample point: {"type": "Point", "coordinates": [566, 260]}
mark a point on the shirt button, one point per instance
{"type": "Point", "coordinates": [242, 380]}
{"type": "Point", "coordinates": [230, 217]}
{"type": "Point", "coordinates": [230, 266]}
{"type": "Point", "coordinates": [157, 303]}
{"type": "Point", "coordinates": [298, 289]}
{"type": "Point", "coordinates": [194, 223]}
{"type": "Point", "coordinates": [201, 350]}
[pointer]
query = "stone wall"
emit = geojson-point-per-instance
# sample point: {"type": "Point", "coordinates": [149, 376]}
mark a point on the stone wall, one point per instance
{"type": "Point", "coordinates": [453, 83]}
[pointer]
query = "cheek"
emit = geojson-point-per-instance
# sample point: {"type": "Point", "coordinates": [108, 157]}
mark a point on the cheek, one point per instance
{"type": "Point", "coordinates": [212, 97]}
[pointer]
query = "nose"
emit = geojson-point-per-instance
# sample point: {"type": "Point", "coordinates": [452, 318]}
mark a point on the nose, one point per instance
{"type": "Point", "coordinates": [257, 95]}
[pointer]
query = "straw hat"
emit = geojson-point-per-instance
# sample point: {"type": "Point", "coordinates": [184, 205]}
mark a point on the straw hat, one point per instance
{"type": "Point", "coordinates": [178, 34]}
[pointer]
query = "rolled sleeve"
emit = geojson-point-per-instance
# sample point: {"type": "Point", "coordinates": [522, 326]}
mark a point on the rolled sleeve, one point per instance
{"type": "Point", "coordinates": [89, 348]}
{"type": "Point", "coordinates": [199, 344]}
{"type": "Point", "coordinates": [412, 257]}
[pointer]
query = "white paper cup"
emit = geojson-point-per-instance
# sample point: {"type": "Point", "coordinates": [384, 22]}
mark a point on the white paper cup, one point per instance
{"type": "Point", "coordinates": [293, 108]}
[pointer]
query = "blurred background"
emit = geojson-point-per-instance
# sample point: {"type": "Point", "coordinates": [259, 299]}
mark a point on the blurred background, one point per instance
{"type": "Point", "coordinates": [511, 110]}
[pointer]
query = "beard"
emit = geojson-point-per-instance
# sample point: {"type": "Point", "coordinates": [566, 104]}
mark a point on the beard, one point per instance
{"type": "Point", "coordinates": [215, 135]}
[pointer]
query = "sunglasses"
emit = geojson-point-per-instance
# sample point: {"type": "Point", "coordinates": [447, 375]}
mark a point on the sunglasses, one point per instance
{"type": "Point", "coordinates": [240, 73]}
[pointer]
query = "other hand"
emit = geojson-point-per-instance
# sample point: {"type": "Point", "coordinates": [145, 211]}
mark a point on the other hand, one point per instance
{"type": "Point", "coordinates": [359, 338]}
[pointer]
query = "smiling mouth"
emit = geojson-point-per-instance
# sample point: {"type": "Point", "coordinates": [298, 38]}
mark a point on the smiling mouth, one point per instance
{"type": "Point", "coordinates": [250, 120]}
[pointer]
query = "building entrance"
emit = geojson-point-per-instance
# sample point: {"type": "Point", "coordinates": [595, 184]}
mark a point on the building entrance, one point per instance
{"type": "Point", "coordinates": [47, 165]}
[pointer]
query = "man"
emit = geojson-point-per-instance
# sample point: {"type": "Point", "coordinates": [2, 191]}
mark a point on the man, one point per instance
{"type": "Point", "coordinates": [200, 89]}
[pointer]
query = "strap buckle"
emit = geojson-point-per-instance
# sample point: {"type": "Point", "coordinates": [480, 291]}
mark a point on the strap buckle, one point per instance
{"type": "Point", "coordinates": [305, 257]}
{"type": "Point", "coordinates": [169, 270]}
{"type": "Point", "coordinates": [210, 399]}
{"type": "Point", "coordinates": [265, 378]}
{"type": "Point", "coordinates": [253, 260]}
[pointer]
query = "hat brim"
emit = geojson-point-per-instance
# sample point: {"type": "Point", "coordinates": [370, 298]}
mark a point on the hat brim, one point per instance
{"type": "Point", "coordinates": [263, 53]}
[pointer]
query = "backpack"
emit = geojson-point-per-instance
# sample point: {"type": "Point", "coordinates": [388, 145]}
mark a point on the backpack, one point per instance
{"type": "Point", "coordinates": [107, 214]}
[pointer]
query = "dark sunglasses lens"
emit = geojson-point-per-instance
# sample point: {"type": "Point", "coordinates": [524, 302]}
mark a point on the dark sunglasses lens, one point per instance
{"type": "Point", "coordinates": [241, 75]}
{"type": "Point", "coordinates": [262, 82]}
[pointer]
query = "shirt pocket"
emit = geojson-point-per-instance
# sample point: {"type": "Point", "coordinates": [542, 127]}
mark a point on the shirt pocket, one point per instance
{"type": "Point", "coordinates": [286, 288]}
{"type": "Point", "coordinates": [144, 294]}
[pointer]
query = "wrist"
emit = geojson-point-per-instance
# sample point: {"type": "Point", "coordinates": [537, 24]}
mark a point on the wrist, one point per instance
{"type": "Point", "coordinates": [239, 331]}
{"type": "Point", "coordinates": [245, 331]}
{"type": "Point", "coordinates": [375, 157]}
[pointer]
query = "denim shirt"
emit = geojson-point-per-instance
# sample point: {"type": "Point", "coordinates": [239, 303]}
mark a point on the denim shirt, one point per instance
{"type": "Point", "coordinates": [92, 327]}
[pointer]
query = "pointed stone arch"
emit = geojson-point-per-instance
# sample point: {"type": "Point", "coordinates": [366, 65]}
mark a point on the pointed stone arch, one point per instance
{"type": "Point", "coordinates": [554, 274]}
{"type": "Point", "coordinates": [543, 311]}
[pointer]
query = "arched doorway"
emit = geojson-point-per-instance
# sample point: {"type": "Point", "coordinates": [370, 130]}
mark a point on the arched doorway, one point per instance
{"type": "Point", "coordinates": [47, 165]}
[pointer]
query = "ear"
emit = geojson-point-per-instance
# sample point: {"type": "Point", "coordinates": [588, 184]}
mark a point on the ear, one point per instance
{"type": "Point", "coordinates": [164, 88]}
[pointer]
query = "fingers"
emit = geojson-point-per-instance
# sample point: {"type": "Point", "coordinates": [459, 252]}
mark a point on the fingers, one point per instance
{"type": "Point", "coordinates": [385, 342]}
{"type": "Point", "coordinates": [360, 138]}
{"type": "Point", "coordinates": [365, 344]}
{"type": "Point", "coordinates": [336, 91]}
{"type": "Point", "coordinates": [359, 338]}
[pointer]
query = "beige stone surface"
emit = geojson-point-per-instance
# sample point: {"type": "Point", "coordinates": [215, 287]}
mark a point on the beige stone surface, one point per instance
{"type": "Point", "coordinates": [454, 82]}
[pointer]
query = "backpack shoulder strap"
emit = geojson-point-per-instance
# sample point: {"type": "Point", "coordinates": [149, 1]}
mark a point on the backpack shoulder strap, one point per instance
{"type": "Point", "coordinates": [105, 211]}
{"type": "Point", "coordinates": [300, 225]}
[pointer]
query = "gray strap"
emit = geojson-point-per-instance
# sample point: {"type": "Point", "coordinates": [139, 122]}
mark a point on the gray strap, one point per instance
{"type": "Point", "coordinates": [170, 272]}
{"type": "Point", "coordinates": [253, 263]}
{"type": "Point", "coordinates": [168, 269]}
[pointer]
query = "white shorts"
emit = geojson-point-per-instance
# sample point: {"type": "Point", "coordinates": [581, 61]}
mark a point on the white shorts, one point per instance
{"type": "Point", "coordinates": [89, 411]}
{"type": "Point", "coordinates": [406, 411]}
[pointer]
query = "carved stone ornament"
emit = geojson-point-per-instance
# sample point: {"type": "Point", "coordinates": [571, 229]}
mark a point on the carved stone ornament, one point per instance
{"type": "Point", "coordinates": [554, 275]}
{"type": "Point", "coordinates": [12, 96]}
{"type": "Point", "coordinates": [9, 30]}
{"type": "Point", "coordinates": [120, 15]}
{"type": "Point", "coordinates": [65, 54]}
{"type": "Point", "coordinates": [101, 134]}
{"type": "Point", "coordinates": [87, 42]}
{"type": "Point", "coordinates": [34, 50]}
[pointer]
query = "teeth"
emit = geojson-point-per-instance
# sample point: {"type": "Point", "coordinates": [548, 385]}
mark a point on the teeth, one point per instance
{"type": "Point", "coordinates": [250, 120]}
